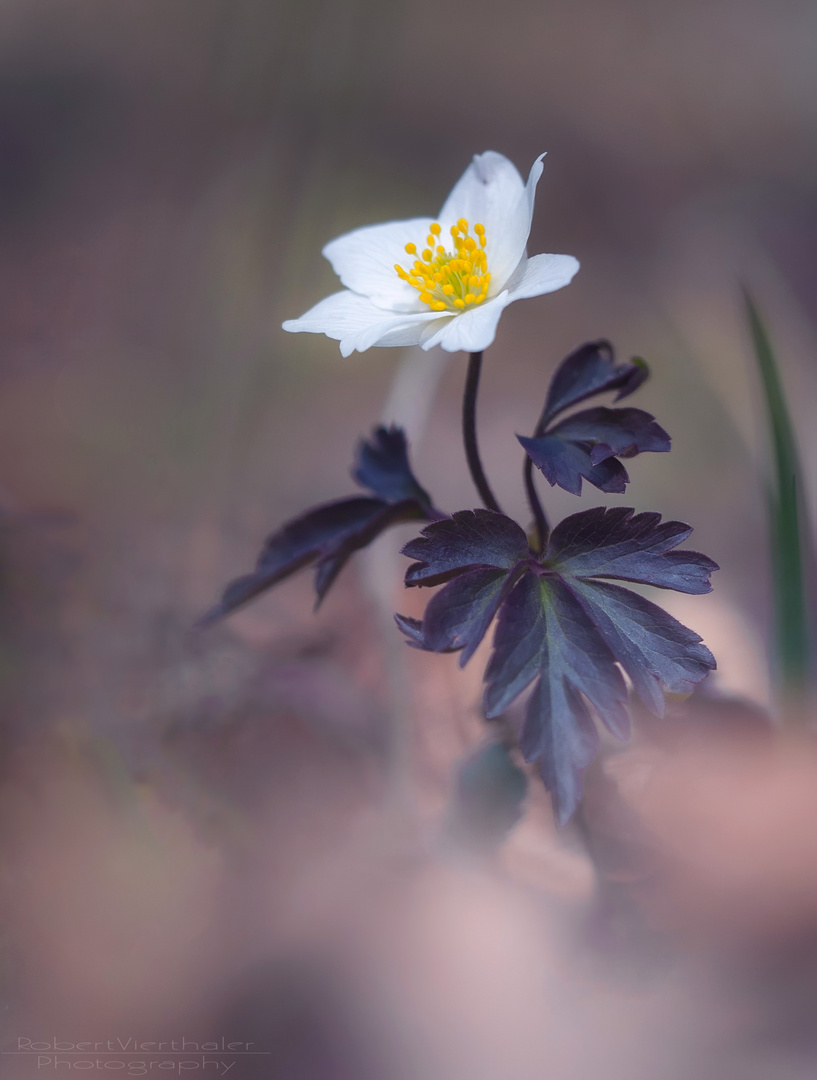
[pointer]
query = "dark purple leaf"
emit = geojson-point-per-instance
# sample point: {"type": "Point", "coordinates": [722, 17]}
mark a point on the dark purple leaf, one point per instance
{"type": "Point", "coordinates": [586, 445]}
{"type": "Point", "coordinates": [335, 558]}
{"type": "Point", "coordinates": [624, 432]}
{"type": "Point", "coordinates": [458, 616]}
{"type": "Point", "coordinates": [544, 633]}
{"type": "Point", "coordinates": [469, 539]}
{"type": "Point", "coordinates": [295, 545]}
{"type": "Point", "coordinates": [565, 463]}
{"type": "Point", "coordinates": [516, 659]}
{"type": "Point", "coordinates": [566, 742]}
{"type": "Point", "coordinates": [327, 536]}
{"type": "Point", "coordinates": [382, 465]}
{"type": "Point", "coordinates": [615, 543]}
{"type": "Point", "coordinates": [560, 629]}
{"type": "Point", "coordinates": [656, 651]}
{"type": "Point", "coordinates": [589, 370]}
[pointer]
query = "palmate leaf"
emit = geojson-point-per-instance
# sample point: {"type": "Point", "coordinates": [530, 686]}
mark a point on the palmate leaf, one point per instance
{"type": "Point", "coordinates": [561, 625]}
{"type": "Point", "coordinates": [328, 535]}
{"type": "Point", "coordinates": [588, 444]}
{"type": "Point", "coordinates": [476, 538]}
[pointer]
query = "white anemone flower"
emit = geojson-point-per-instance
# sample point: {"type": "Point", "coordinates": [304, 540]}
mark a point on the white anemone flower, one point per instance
{"type": "Point", "coordinates": [430, 281]}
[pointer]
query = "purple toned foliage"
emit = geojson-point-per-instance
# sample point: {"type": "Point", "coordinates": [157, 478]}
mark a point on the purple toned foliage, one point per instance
{"type": "Point", "coordinates": [561, 628]}
{"type": "Point", "coordinates": [328, 535]}
{"type": "Point", "coordinates": [382, 466]}
{"type": "Point", "coordinates": [589, 370]}
{"type": "Point", "coordinates": [566, 634]}
{"type": "Point", "coordinates": [587, 444]}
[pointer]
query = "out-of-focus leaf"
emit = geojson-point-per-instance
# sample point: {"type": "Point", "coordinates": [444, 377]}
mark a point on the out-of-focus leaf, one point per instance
{"type": "Point", "coordinates": [559, 627]}
{"type": "Point", "coordinates": [619, 432]}
{"type": "Point", "coordinates": [793, 630]}
{"type": "Point", "coordinates": [328, 535]}
{"type": "Point", "coordinates": [459, 615]}
{"type": "Point", "coordinates": [488, 797]}
{"type": "Point", "coordinates": [587, 444]}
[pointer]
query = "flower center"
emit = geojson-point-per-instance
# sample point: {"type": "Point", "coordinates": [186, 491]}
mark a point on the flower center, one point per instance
{"type": "Point", "coordinates": [445, 280]}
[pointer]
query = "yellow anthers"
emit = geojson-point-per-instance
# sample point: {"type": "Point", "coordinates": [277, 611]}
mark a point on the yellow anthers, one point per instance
{"type": "Point", "coordinates": [449, 280]}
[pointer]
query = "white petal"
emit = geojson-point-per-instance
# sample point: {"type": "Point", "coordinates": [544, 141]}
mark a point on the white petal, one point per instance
{"type": "Point", "coordinates": [472, 331]}
{"type": "Point", "coordinates": [542, 274]}
{"type": "Point", "coordinates": [414, 332]}
{"type": "Point", "coordinates": [364, 261]}
{"type": "Point", "coordinates": [357, 323]}
{"type": "Point", "coordinates": [491, 192]}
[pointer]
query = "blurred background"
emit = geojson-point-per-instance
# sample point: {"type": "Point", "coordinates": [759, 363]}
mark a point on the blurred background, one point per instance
{"type": "Point", "coordinates": [237, 834]}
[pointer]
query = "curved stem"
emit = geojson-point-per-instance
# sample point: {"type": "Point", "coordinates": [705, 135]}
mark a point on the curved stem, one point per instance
{"type": "Point", "coordinates": [469, 432]}
{"type": "Point", "coordinates": [541, 521]}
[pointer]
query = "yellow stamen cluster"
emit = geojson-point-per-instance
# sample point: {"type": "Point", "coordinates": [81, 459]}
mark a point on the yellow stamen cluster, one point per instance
{"type": "Point", "coordinates": [450, 281]}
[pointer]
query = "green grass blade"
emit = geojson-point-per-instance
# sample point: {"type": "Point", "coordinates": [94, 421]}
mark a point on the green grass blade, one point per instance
{"type": "Point", "coordinates": [792, 642]}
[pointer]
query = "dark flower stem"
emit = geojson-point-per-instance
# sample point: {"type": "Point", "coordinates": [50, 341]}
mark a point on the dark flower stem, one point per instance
{"type": "Point", "coordinates": [541, 522]}
{"type": "Point", "coordinates": [469, 432]}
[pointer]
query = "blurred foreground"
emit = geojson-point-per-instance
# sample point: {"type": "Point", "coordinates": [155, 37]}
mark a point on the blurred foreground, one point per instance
{"type": "Point", "coordinates": [257, 887]}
